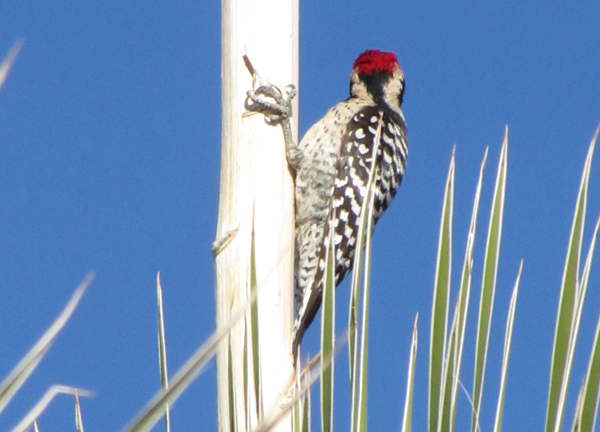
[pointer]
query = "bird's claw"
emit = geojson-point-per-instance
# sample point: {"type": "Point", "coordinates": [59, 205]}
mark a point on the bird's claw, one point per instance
{"type": "Point", "coordinates": [276, 110]}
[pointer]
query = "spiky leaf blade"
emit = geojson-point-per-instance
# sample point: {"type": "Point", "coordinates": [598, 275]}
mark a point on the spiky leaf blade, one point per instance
{"type": "Point", "coordinates": [506, 353]}
{"type": "Point", "coordinates": [328, 339]}
{"type": "Point", "coordinates": [488, 286]}
{"type": "Point", "coordinates": [407, 418]}
{"type": "Point", "coordinates": [439, 314]}
{"type": "Point", "coordinates": [563, 336]}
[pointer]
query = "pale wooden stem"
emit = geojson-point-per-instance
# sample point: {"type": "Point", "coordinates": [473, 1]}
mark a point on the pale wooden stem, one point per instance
{"type": "Point", "coordinates": [256, 188]}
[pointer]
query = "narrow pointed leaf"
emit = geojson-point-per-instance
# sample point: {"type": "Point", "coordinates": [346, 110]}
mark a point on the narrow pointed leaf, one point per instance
{"type": "Point", "coordinates": [328, 339]}
{"type": "Point", "coordinates": [298, 407]}
{"type": "Point", "coordinates": [407, 418]}
{"type": "Point", "coordinates": [27, 365]}
{"type": "Point", "coordinates": [353, 323]}
{"type": "Point", "coordinates": [447, 377]}
{"type": "Point", "coordinates": [364, 343]}
{"type": "Point", "coordinates": [254, 332]}
{"type": "Point", "coordinates": [465, 293]}
{"type": "Point", "coordinates": [578, 409]}
{"type": "Point", "coordinates": [78, 417]}
{"type": "Point", "coordinates": [587, 414]}
{"type": "Point", "coordinates": [306, 404]}
{"type": "Point", "coordinates": [488, 286]}
{"type": "Point", "coordinates": [301, 409]}
{"type": "Point", "coordinates": [439, 314]}
{"type": "Point", "coordinates": [506, 354]}
{"type": "Point", "coordinates": [591, 389]}
{"type": "Point", "coordinates": [563, 336]}
{"type": "Point", "coordinates": [363, 238]}
{"type": "Point", "coordinates": [359, 376]}
{"type": "Point", "coordinates": [152, 412]}
{"type": "Point", "coordinates": [354, 304]}
{"type": "Point", "coordinates": [162, 350]}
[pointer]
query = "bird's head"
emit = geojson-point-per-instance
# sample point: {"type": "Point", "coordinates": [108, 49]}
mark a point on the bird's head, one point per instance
{"type": "Point", "coordinates": [377, 75]}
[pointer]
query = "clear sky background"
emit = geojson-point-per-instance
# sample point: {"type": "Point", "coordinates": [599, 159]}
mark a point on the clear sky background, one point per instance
{"type": "Point", "coordinates": [109, 161]}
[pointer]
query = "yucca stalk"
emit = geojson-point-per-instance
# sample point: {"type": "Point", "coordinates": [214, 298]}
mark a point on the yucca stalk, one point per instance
{"type": "Point", "coordinates": [255, 202]}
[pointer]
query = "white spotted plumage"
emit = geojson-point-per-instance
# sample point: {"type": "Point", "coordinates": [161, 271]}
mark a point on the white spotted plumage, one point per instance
{"type": "Point", "coordinates": [333, 162]}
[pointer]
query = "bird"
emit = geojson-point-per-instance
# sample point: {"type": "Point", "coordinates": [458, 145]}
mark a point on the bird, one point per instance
{"type": "Point", "coordinates": [332, 165]}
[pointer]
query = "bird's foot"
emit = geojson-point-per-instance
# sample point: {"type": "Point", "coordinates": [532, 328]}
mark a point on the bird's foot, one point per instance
{"type": "Point", "coordinates": [276, 105]}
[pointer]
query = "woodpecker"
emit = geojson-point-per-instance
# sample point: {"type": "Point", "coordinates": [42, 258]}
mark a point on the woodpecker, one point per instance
{"type": "Point", "coordinates": [333, 163]}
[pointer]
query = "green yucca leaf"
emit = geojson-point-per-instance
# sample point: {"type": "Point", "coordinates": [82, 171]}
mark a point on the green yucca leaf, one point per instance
{"type": "Point", "coordinates": [354, 306]}
{"type": "Point", "coordinates": [464, 295]}
{"type": "Point", "coordinates": [355, 286]}
{"type": "Point", "coordinates": [301, 410]}
{"type": "Point", "coordinates": [364, 343]}
{"type": "Point", "coordinates": [13, 382]}
{"type": "Point", "coordinates": [447, 377]}
{"type": "Point", "coordinates": [328, 339]}
{"type": "Point", "coordinates": [455, 341]}
{"type": "Point", "coordinates": [162, 350]}
{"type": "Point", "coordinates": [488, 286]}
{"type": "Point", "coordinates": [353, 322]}
{"type": "Point", "coordinates": [358, 365]}
{"type": "Point", "coordinates": [578, 409]}
{"type": "Point", "coordinates": [407, 418]}
{"type": "Point", "coordinates": [506, 354]}
{"type": "Point", "coordinates": [297, 410]}
{"type": "Point", "coordinates": [254, 332]}
{"type": "Point", "coordinates": [586, 417]}
{"type": "Point", "coordinates": [439, 314]}
{"type": "Point", "coordinates": [306, 404]}
{"type": "Point", "coordinates": [353, 312]}
{"type": "Point", "coordinates": [359, 359]}
{"type": "Point", "coordinates": [565, 336]}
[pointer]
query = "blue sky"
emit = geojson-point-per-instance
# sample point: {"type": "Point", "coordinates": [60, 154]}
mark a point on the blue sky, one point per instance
{"type": "Point", "coordinates": [109, 135]}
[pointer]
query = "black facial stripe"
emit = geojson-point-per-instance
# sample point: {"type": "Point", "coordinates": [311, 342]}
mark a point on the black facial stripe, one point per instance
{"type": "Point", "coordinates": [375, 83]}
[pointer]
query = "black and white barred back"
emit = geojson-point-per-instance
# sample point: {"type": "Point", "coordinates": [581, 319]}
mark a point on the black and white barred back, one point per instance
{"type": "Point", "coordinates": [333, 164]}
